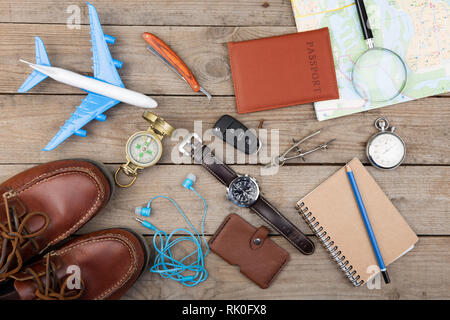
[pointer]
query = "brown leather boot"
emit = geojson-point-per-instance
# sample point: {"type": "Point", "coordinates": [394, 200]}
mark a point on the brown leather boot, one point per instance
{"type": "Point", "coordinates": [106, 264]}
{"type": "Point", "coordinates": [44, 205]}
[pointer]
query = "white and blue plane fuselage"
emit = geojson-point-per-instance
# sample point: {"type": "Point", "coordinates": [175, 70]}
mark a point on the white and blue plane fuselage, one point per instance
{"type": "Point", "coordinates": [105, 89]}
{"type": "Point", "coordinates": [93, 85]}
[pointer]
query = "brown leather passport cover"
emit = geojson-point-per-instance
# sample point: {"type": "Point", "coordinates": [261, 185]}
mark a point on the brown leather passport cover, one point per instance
{"type": "Point", "coordinates": [283, 71]}
{"type": "Point", "coordinates": [234, 242]}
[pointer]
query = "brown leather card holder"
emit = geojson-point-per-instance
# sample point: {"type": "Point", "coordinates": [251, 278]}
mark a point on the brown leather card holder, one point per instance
{"type": "Point", "coordinates": [239, 243]}
{"type": "Point", "coordinates": [283, 71]}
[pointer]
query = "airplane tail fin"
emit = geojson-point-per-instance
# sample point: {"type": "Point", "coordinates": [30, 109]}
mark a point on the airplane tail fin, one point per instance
{"type": "Point", "coordinates": [41, 59]}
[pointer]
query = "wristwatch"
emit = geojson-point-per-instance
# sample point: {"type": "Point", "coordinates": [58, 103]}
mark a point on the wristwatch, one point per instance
{"type": "Point", "coordinates": [243, 191]}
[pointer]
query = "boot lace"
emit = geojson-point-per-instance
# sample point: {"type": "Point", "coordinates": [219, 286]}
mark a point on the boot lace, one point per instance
{"type": "Point", "coordinates": [14, 235]}
{"type": "Point", "coordinates": [54, 288]}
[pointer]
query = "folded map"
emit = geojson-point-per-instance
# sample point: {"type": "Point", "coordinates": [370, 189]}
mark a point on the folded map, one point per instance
{"type": "Point", "coordinates": [417, 30]}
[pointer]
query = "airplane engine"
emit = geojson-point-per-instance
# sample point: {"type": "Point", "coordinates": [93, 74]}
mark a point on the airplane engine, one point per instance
{"type": "Point", "coordinates": [118, 63]}
{"type": "Point", "coordinates": [109, 39]}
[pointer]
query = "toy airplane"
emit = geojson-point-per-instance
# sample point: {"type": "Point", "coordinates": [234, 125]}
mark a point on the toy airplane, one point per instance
{"type": "Point", "coordinates": [105, 90]}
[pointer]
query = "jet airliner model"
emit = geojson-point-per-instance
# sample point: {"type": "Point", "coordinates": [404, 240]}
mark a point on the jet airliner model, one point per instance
{"type": "Point", "coordinates": [105, 89]}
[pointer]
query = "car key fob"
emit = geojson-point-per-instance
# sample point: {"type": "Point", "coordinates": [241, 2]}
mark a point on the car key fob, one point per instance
{"type": "Point", "coordinates": [238, 135]}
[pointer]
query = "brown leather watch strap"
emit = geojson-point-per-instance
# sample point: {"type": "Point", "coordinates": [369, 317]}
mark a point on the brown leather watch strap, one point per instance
{"type": "Point", "coordinates": [262, 207]}
{"type": "Point", "coordinates": [215, 166]}
{"type": "Point", "coordinates": [280, 223]}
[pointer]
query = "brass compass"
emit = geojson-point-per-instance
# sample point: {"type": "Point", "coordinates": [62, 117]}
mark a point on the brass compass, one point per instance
{"type": "Point", "coordinates": [144, 148]}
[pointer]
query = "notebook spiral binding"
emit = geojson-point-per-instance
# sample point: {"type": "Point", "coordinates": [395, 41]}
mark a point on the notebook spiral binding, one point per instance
{"type": "Point", "coordinates": [328, 243]}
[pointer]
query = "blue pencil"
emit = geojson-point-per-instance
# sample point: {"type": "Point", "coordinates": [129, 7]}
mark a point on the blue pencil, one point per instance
{"type": "Point", "coordinates": [369, 229]}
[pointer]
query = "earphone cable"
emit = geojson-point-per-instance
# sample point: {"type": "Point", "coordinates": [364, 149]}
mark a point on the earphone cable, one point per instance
{"type": "Point", "coordinates": [166, 264]}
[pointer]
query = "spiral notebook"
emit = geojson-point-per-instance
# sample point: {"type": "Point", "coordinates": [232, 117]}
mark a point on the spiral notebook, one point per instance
{"type": "Point", "coordinates": [332, 214]}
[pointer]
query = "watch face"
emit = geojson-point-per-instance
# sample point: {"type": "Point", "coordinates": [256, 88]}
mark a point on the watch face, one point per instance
{"type": "Point", "coordinates": [144, 149]}
{"type": "Point", "coordinates": [386, 150]}
{"type": "Point", "coordinates": [243, 191]}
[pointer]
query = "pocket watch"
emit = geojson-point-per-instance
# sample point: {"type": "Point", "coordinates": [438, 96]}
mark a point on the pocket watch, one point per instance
{"type": "Point", "coordinates": [144, 148]}
{"type": "Point", "coordinates": [385, 150]}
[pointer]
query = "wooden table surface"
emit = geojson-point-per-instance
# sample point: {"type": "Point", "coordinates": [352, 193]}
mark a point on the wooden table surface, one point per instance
{"type": "Point", "coordinates": [199, 31]}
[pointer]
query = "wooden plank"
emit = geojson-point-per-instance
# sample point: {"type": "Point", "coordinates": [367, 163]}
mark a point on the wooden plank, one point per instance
{"type": "Point", "coordinates": [204, 49]}
{"type": "Point", "coordinates": [420, 193]}
{"type": "Point", "coordinates": [199, 31]}
{"type": "Point", "coordinates": [155, 12]}
{"type": "Point", "coordinates": [30, 121]}
{"type": "Point", "coordinates": [420, 274]}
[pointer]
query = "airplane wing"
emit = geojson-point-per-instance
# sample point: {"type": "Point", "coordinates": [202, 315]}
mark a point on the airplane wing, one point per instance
{"type": "Point", "coordinates": [104, 65]}
{"type": "Point", "coordinates": [92, 107]}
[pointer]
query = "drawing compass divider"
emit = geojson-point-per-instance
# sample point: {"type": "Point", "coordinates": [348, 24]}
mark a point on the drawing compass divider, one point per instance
{"type": "Point", "coordinates": [297, 152]}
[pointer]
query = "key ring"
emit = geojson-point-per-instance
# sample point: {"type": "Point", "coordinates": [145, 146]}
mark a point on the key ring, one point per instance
{"type": "Point", "coordinates": [382, 124]}
{"type": "Point", "coordinates": [129, 172]}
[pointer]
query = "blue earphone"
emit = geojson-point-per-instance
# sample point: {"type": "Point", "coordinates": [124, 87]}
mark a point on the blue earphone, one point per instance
{"type": "Point", "coordinates": [165, 264]}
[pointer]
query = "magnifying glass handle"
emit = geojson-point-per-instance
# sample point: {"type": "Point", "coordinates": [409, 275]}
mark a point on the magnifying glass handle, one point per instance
{"type": "Point", "coordinates": [364, 19]}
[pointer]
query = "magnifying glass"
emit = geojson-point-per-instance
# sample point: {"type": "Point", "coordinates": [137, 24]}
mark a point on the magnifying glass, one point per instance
{"type": "Point", "coordinates": [379, 74]}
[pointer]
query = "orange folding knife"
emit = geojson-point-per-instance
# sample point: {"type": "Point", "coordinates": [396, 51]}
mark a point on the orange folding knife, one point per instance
{"type": "Point", "coordinates": [169, 57]}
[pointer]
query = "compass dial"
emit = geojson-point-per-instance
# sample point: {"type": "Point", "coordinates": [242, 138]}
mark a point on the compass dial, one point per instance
{"type": "Point", "coordinates": [386, 150]}
{"type": "Point", "coordinates": [144, 149]}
